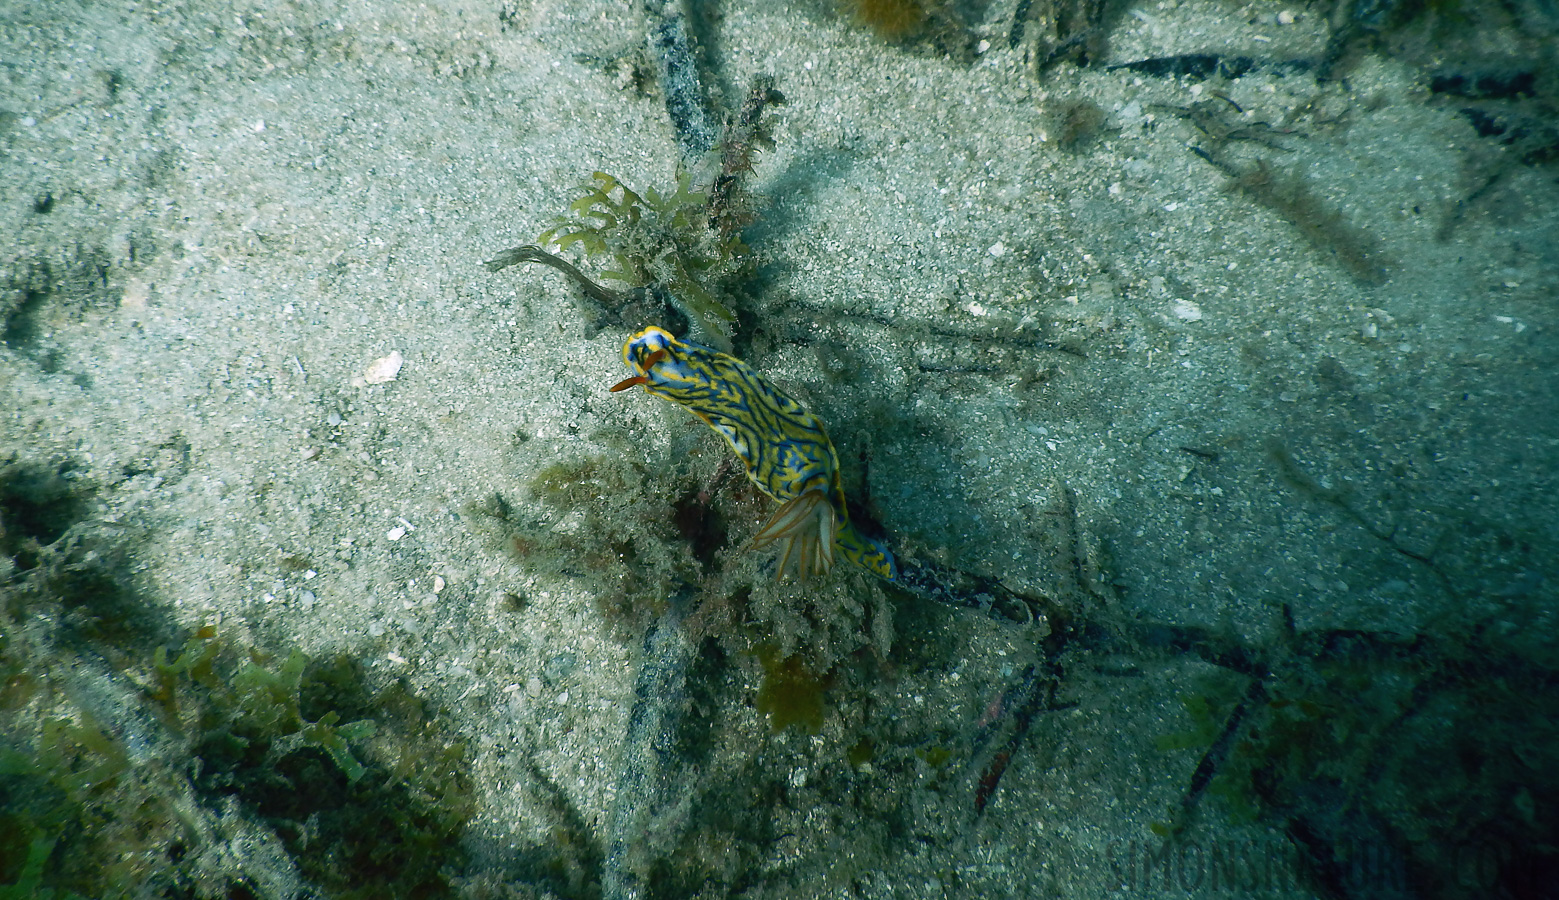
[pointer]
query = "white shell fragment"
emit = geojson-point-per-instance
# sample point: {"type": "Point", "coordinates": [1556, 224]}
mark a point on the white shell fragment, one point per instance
{"type": "Point", "coordinates": [382, 370]}
{"type": "Point", "coordinates": [134, 297]}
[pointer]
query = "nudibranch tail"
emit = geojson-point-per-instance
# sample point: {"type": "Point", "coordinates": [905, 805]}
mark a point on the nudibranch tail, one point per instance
{"type": "Point", "coordinates": [868, 553]}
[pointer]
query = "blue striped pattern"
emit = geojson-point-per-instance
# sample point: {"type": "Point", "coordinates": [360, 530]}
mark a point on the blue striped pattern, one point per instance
{"type": "Point", "coordinates": [784, 447]}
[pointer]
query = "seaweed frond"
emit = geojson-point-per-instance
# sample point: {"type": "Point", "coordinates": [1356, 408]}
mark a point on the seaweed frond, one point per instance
{"type": "Point", "coordinates": [676, 251]}
{"type": "Point", "coordinates": [596, 213]}
{"type": "Point", "coordinates": [654, 239]}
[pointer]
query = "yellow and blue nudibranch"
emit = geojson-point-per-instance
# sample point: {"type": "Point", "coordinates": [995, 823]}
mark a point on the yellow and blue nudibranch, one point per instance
{"type": "Point", "coordinates": [786, 450]}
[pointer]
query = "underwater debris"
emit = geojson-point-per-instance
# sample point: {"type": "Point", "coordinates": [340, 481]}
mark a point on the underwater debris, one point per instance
{"type": "Point", "coordinates": [1346, 739]}
{"type": "Point", "coordinates": [1290, 196]}
{"type": "Point", "coordinates": [1321, 224]}
{"type": "Point", "coordinates": [646, 786]}
{"type": "Point", "coordinates": [622, 543]}
{"type": "Point", "coordinates": [1356, 22]}
{"type": "Point", "coordinates": [1211, 118]}
{"type": "Point", "coordinates": [941, 27]}
{"type": "Point", "coordinates": [1013, 715]}
{"type": "Point", "coordinates": [533, 253]}
{"type": "Point", "coordinates": [1286, 193]}
{"type": "Point", "coordinates": [947, 586]}
{"type": "Point", "coordinates": [1219, 747]}
{"type": "Point", "coordinates": [1077, 124]}
{"type": "Point", "coordinates": [676, 73]}
{"type": "Point", "coordinates": [1053, 31]}
{"type": "Point", "coordinates": [730, 204]}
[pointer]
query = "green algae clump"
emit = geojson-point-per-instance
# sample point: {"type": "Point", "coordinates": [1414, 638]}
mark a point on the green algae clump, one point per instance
{"type": "Point", "coordinates": [653, 239]}
{"type": "Point", "coordinates": [792, 694]}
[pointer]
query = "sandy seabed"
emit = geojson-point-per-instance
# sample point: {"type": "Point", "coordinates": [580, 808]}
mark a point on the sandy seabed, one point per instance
{"type": "Point", "coordinates": [1245, 367]}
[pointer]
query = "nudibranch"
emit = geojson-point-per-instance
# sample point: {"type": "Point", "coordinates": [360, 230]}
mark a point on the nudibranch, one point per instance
{"type": "Point", "coordinates": [784, 447]}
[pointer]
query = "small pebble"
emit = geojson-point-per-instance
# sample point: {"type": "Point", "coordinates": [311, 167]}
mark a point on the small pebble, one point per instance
{"type": "Point", "coordinates": [384, 369]}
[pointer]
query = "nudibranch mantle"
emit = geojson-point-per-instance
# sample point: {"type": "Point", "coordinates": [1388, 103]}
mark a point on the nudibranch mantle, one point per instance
{"type": "Point", "coordinates": [783, 446]}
